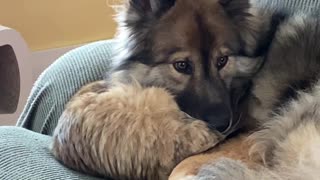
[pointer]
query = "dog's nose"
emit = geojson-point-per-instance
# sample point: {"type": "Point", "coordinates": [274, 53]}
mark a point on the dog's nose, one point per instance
{"type": "Point", "coordinates": [219, 117]}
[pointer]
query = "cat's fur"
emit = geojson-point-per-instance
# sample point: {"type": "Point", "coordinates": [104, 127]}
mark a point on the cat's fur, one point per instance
{"type": "Point", "coordinates": [126, 131]}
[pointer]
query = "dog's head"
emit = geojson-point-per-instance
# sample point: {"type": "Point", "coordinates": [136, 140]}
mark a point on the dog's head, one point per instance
{"type": "Point", "coordinates": [191, 48]}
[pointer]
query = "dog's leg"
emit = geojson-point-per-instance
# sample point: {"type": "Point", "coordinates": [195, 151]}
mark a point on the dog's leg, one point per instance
{"type": "Point", "coordinates": [229, 161]}
{"type": "Point", "coordinates": [232, 155]}
{"type": "Point", "coordinates": [226, 169]}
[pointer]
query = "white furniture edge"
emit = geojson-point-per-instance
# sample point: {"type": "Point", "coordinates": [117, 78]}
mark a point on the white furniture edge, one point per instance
{"type": "Point", "coordinates": [13, 38]}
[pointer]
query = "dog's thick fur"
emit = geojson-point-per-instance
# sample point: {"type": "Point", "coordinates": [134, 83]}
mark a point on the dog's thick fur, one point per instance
{"type": "Point", "coordinates": [285, 104]}
{"type": "Point", "coordinates": [286, 149]}
{"type": "Point", "coordinates": [154, 35]}
{"type": "Point", "coordinates": [127, 132]}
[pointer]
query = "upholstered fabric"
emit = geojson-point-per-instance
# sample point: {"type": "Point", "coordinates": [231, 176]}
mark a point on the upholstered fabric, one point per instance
{"type": "Point", "coordinates": [24, 155]}
{"type": "Point", "coordinates": [294, 5]}
{"type": "Point", "coordinates": [24, 150]}
{"type": "Point", "coordinates": [60, 81]}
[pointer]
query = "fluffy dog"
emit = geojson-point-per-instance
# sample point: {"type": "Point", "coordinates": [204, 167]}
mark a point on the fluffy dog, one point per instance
{"type": "Point", "coordinates": [185, 46]}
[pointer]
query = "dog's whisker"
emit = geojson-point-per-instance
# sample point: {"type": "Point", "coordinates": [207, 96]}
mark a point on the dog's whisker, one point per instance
{"type": "Point", "coordinates": [232, 127]}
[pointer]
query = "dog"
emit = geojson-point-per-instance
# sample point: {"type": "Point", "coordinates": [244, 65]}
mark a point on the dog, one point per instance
{"type": "Point", "coordinates": [185, 46]}
{"type": "Point", "coordinates": [203, 53]}
{"type": "Point", "coordinates": [284, 106]}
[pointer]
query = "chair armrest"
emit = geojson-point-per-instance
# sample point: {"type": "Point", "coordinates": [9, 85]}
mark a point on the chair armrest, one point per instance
{"type": "Point", "coordinates": [26, 155]}
{"type": "Point", "coordinates": [15, 75]}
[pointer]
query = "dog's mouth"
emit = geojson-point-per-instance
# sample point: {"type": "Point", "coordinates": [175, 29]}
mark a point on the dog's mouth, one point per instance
{"type": "Point", "coordinates": [223, 116]}
{"type": "Point", "coordinates": [234, 125]}
{"type": "Point", "coordinates": [225, 127]}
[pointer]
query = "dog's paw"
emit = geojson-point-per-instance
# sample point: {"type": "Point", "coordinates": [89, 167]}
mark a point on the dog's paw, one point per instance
{"type": "Point", "coordinates": [223, 169]}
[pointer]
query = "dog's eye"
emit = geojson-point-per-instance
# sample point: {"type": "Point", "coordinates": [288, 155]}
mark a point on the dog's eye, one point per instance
{"type": "Point", "coordinates": [183, 67]}
{"type": "Point", "coordinates": [222, 61]}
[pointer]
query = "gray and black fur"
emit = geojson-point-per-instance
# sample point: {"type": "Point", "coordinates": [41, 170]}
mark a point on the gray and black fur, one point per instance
{"type": "Point", "coordinates": [152, 33]}
{"type": "Point", "coordinates": [284, 106]}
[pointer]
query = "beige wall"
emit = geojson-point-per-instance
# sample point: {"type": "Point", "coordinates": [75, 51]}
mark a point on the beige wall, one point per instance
{"type": "Point", "coordinates": [47, 24]}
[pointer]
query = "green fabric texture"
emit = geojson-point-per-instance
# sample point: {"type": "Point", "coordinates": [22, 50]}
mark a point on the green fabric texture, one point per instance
{"type": "Point", "coordinates": [24, 153]}
{"type": "Point", "coordinates": [25, 156]}
{"type": "Point", "coordinates": [294, 5]}
{"type": "Point", "coordinates": [60, 81]}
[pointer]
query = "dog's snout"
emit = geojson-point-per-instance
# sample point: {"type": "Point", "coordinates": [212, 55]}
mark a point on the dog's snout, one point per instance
{"type": "Point", "coordinates": [218, 117]}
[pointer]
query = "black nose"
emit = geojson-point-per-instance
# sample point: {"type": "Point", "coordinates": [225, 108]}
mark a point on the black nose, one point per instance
{"type": "Point", "coordinates": [219, 117]}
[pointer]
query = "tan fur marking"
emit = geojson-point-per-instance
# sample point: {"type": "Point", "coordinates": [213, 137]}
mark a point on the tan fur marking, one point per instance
{"type": "Point", "coordinates": [236, 148]}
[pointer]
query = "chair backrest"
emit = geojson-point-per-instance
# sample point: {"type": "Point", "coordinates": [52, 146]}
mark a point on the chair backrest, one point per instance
{"type": "Point", "coordinates": [292, 6]}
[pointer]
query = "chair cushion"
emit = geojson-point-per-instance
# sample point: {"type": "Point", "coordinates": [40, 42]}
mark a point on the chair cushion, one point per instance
{"type": "Point", "coordinates": [25, 155]}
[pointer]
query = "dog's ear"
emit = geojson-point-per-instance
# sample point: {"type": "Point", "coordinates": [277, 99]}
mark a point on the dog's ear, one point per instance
{"type": "Point", "coordinates": [224, 2]}
{"type": "Point", "coordinates": [148, 9]}
{"type": "Point", "coordinates": [252, 23]}
{"type": "Point", "coordinates": [135, 20]}
{"type": "Point", "coordinates": [151, 6]}
{"type": "Point", "coordinates": [235, 7]}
